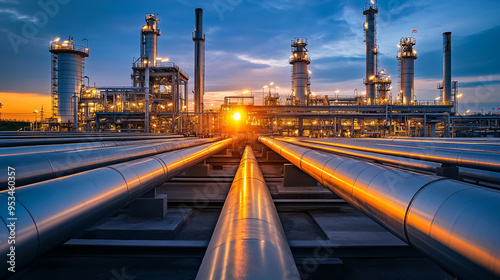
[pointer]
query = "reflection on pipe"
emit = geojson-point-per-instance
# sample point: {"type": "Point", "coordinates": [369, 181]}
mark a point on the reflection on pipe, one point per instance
{"type": "Point", "coordinates": [478, 160]}
{"type": "Point", "coordinates": [476, 147]}
{"type": "Point", "coordinates": [453, 223]}
{"type": "Point", "coordinates": [73, 139]}
{"type": "Point", "coordinates": [10, 151]}
{"type": "Point", "coordinates": [248, 241]}
{"type": "Point", "coordinates": [32, 168]}
{"type": "Point", "coordinates": [51, 212]}
{"type": "Point", "coordinates": [470, 173]}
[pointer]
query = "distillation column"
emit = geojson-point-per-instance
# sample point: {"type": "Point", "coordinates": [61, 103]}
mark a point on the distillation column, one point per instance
{"type": "Point", "coordinates": [407, 56]}
{"type": "Point", "coordinates": [447, 68]}
{"type": "Point", "coordinates": [371, 51]}
{"type": "Point", "coordinates": [149, 39]}
{"type": "Point", "coordinates": [199, 68]}
{"type": "Point", "coordinates": [70, 59]}
{"type": "Point", "coordinates": [299, 61]}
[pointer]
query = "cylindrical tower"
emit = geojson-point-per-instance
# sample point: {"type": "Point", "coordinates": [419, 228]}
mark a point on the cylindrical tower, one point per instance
{"type": "Point", "coordinates": [447, 68]}
{"type": "Point", "coordinates": [370, 11]}
{"type": "Point", "coordinates": [407, 56]}
{"type": "Point", "coordinates": [149, 39]}
{"type": "Point", "coordinates": [69, 59]}
{"type": "Point", "coordinates": [299, 61]}
{"type": "Point", "coordinates": [199, 66]}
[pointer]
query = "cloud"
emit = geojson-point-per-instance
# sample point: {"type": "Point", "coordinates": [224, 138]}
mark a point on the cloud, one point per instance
{"type": "Point", "coordinates": [268, 62]}
{"type": "Point", "coordinates": [16, 15]}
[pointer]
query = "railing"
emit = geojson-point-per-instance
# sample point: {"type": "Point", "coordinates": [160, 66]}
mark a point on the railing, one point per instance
{"type": "Point", "coordinates": [144, 64]}
{"type": "Point", "coordinates": [295, 59]}
{"type": "Point", "coordinates": [68, 46]}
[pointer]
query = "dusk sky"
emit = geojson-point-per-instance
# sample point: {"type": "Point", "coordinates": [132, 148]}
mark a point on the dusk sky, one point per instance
{"type": "Point", "coordinates": [248, 45]}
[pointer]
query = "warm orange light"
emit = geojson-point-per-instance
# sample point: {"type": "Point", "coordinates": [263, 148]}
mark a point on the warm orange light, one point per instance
{"type": "Point", "coordinates": [237, 116]}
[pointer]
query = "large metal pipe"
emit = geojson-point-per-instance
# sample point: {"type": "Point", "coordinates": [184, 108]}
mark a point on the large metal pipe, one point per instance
{"type": "Point", "coordinates": [31, 168]}
{"type": "Point", "coordinates": [453, 223]}
{"type": "Point", "coordinates": [430, 144]}
{"type": "Point", "coordinates": [49, 213]}
{"type": "Point", "coordinates": [464, 172]}
{"type": "Point", "coordinates": [199, 67]}
{"type": "Point", "coordinates": [371, 51]}
{"type": "Point", "coordinates": [447, 68]}
{"type": "Point", "coordinates": [248, 241]}
{"type": "Point", "coordinates": [75, 139]}
{"type": "Point", "coordinates": [10, 151]}
{"type": "Point", "coordinates": [477, 160]}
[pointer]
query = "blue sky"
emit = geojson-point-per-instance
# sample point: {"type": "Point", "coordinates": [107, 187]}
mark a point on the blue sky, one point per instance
{"type": "Point", "coordinates": [248, 42]}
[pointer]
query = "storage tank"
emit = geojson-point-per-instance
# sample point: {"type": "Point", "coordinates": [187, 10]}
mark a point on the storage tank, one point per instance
{"type": "Point", "coordinates": [68, 60]}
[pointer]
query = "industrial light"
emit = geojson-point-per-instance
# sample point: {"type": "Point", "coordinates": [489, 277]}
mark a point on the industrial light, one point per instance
{"type": "Point", "coordinates": [165, 59]}
{"type": "Point", "coordinates": [459, 95]}
{"type": "Point", "coordinates": [169, 104]}
{"type": "Point", "coordinates": [337, 91]}
{"type": "Point", "coordinates": [271, 83]}
{"type": "Point", "coordinates": [277, 87]}
{"type": "Point", "coordinates": [57, 39]}
{"type": "Point", "coordinates": [245, 91]}
{"type": "Point", "coordinates": [237, 116]}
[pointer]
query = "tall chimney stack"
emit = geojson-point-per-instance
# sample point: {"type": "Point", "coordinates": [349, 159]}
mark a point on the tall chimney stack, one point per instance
{"type": "Point", "coordinates": [199, 68]}
{"type": "Point", "coordinates": [447, 68]}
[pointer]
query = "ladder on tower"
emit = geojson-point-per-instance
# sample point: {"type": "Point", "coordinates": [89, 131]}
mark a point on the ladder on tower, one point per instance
{"type": "Point", "coordinates": [54, 84]}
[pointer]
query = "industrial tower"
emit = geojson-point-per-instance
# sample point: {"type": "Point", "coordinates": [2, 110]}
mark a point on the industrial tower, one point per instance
{"type": "Point", "coordinates": [299, 61]}
{"type": "Point", "coordinates": [378, 84]}
{"type": "Point", "coordinates": [370, 11]}
{"type": "Point", "coordinates": [67, 74]}
{"type": "Point", "coordinates": [199, 68]}
{"type": "Point", "coordinates": [406, 56]}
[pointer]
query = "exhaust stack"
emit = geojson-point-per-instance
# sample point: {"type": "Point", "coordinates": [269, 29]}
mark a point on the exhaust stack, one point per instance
{"type": "Point", "coordinates": [447, 68]}
{"type": "Point", "coordinates": [199, 67]}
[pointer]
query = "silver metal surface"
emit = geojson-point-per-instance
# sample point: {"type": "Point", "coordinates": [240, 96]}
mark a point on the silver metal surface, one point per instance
{"type": "Point", "coordinates": [69, 83]}
{"type": "Point", "coordinates": [51, 212]}
{"type": "Point", "coordinates": [248, 241]}
{"type": "Point", "coordinates": [453, 223]}
{"type": "Point", "coordinates": [38, 167]}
